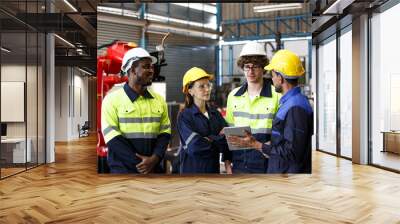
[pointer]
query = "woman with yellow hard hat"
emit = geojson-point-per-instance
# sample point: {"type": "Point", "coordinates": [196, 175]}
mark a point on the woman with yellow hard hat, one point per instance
{"type": "Point", "coordinates": [199, 126]}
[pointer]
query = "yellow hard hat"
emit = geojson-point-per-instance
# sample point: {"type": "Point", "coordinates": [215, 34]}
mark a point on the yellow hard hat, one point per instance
{"type": "Point", "coordinates": [287, 63]}
{"type": "Point", "coordinates": [192, 75]}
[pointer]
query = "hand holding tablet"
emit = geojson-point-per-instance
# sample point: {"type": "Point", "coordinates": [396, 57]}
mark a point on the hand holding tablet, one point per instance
{"type": "Point", "coordinates": [232, 133]}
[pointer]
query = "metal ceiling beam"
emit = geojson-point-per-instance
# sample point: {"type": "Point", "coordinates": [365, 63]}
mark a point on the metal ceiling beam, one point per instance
{"type": "Point", "coordinates": [320, 23]}
{"type": "Point", "coordinates": [15, 18]}
{"type": "Point", "coordinates": [329, 15]}
{"type": "Point", "coordinates": [79, 19]}
{"type": "Point", "coordinates": [297, 25]}
{"type": "Point", "coordinates": [83, 61]}
{"type": "Point", "coordinates": [152, 24]}
{"type": "Point", "coordinates": [49, 22]}
{"type": "Point", "coordinates": [89, 30]}
{"type": "Point", "coordinates": [338, 7]}
{"type": "Point", "coordinates": [54, 22]}
{"type": "Point", "coordinates": [225, 1]}
{"type": "Point", "coordinates": [324, 25]}
{"type": "Point", "coordinates": [83, 23]}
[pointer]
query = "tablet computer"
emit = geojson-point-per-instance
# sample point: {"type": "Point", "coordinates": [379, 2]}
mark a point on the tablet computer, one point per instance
{"type": "Point", "coordinates": [236, 131]}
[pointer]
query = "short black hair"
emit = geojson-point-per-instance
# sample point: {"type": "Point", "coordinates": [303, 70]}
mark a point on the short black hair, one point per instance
{"type": "Point", "coordinates": [292, 82]}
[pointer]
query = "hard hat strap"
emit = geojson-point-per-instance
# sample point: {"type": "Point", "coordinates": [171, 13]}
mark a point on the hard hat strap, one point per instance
{"type": "Point", "coordinates": [285, 76]}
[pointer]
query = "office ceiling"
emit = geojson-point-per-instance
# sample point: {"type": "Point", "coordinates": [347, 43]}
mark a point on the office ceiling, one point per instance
{"type": "Point", "coordinates": [77, 27]}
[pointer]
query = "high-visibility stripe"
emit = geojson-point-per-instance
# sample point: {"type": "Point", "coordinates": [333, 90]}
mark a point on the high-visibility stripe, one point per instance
{"type": "Point", "coordinates": [261, 131]}
{"type": "Point", "coordinates": [164, 127]}
{"type": "Point", "coordinates": [139, 119]}
{"type": "Point", "coordinates": [241, 114]}
{"type": "Point", "coordinates": [110, 129]}
{"type": "Point", "coordinates": [179, 150]}
{"type": "Point", "coordinates": [141, 135]}
{"type": "Point", "coordinates": [188, 140]}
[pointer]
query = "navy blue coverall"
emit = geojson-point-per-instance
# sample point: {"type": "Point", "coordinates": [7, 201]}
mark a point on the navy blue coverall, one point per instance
{"type": "Point", "coordinates": [199, 154]}
{"type": "Point", "coordinates": [292, 129]}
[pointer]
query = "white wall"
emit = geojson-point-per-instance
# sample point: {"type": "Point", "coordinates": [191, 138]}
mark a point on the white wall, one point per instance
{"type": "Point", "coordinates": [14, 73]}
{"type": "Point", "coordinates": [71, 102]}
{"type": "Point", "coordinates": [300, 47]}
{"type": "Point", "coordinates": [33, 126]}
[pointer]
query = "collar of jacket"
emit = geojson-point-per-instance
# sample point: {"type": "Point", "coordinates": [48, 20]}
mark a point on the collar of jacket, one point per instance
{"type": "Point", "coordinates": [265, 91]}
{"type": "Point", "coordinates": [294, 91]}
{"type": "Point", "coordinates": [195, 110]}
{"type": "Point", "coordinates": [134, 95]}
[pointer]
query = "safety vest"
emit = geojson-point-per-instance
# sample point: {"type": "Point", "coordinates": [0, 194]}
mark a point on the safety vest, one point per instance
{"type": "Point", "coordinates": [138, 118]}
{"type": "Point", "coordinates": [258, 113]}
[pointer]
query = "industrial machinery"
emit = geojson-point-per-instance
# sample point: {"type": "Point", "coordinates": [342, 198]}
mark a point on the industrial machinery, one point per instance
{"type": "Point", "coordinates": [108, 75]}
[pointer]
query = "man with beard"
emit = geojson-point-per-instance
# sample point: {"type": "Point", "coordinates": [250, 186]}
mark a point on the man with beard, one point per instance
{"type": "Point", "coordinates": [290, 148]}
{"type": "Point", "coordinates": [135, 121]}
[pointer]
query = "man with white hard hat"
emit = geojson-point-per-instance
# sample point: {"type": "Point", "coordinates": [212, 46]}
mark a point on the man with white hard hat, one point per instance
{"type": "Point", "coordinates": [253, 104]}
{"type": "Point", "coordinates": [135, 121]}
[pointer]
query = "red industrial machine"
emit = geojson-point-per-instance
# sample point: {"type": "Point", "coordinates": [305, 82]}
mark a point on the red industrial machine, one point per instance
{"type": "Point", "coordinates": [108, 74]}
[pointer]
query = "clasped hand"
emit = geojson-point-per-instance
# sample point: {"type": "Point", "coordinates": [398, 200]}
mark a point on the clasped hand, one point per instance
{"type": "Point", "coordinates": [147, 164]}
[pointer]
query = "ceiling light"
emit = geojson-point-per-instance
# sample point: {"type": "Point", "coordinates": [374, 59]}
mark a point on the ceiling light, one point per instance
{"type": "Point", "coordinates": [181, 21]}
{"type": "Point", "coordinates": [79, 51]}
{"type": "Point", "coordinates": [5, 50]}
{"type": "Point", "coordinates": [65, 41]}
{"type": "Point", "coordinates": [70, 5]}
{"type": "Point", "coordinates": [117, 11]}
{"type": "Point", "coordinates": [263, 40]}
{"type": "Point", "coordinates": [277, 7]}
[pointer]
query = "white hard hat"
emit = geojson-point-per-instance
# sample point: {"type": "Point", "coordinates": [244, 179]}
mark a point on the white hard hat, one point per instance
{"type": "Point", "coordinates": [253, 48]}
{"type": "Point", "coordinates": [133, 55]}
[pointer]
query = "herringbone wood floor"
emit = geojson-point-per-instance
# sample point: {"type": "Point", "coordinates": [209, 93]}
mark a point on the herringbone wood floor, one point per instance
{"type": "Point", "coordinates": [70, 191]}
